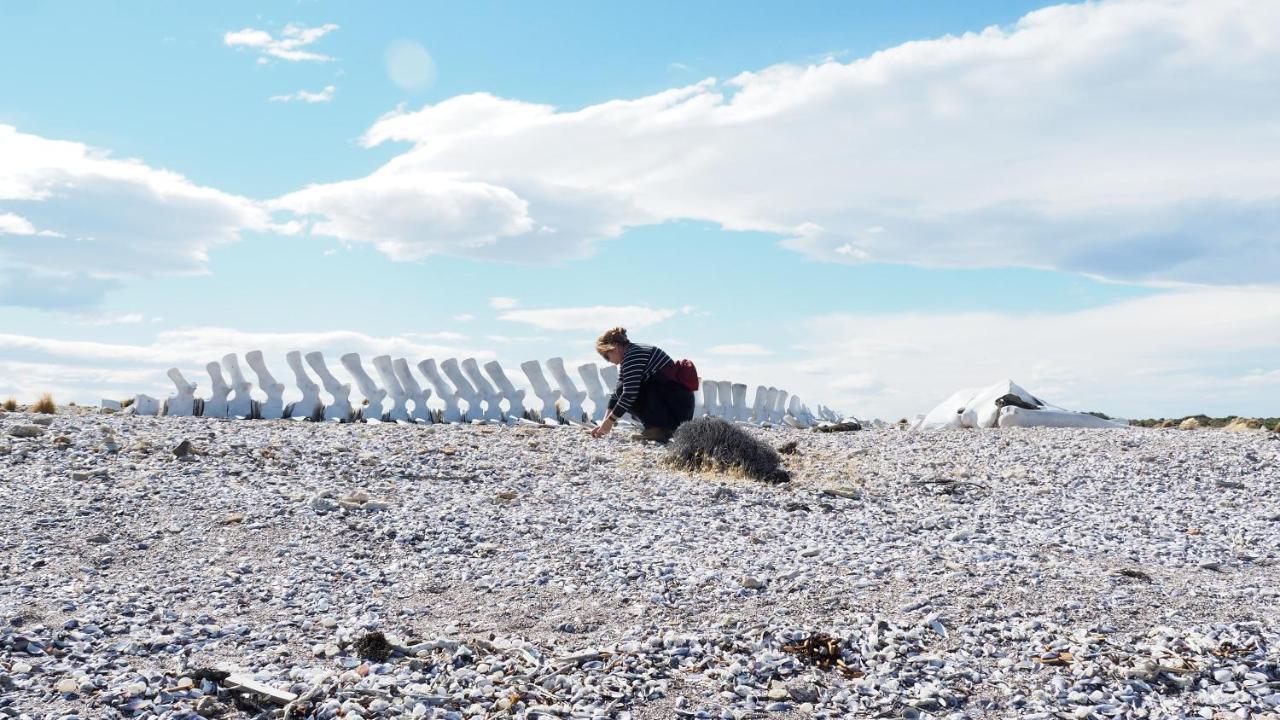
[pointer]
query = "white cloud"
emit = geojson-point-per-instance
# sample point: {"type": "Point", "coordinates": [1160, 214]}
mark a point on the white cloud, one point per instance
{"type": "Point", "coordinates": [286, 47]}
{"type": "Point", "coordinates": [13, 224]}
{"type": "Point", "coordinates": [1262, 377]}
{"type": "Point", "coordinates": [1126, 139]}
{"type": "Point", "coordinates": [1165, 355]}
{"type": "Point", "coordinates": [597, 318]}
{"type": "Point", "coordinates": [100, 219]}
{"type": "Point", "coordinates": [464, 317]}
{"type": "Point", "coordinates": [741, 349]}
{"type": "Point", "coordinates": [502, 303]}
{"type": "Point", "coordinates": [325, 95]}
{"type": "Point", "coordinates": [103, 320]}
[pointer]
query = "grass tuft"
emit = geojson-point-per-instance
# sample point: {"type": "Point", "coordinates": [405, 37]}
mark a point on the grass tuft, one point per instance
{"type": "Point", "coordinates": [45, 405]}
{"type": "Point", "coordinates": [10, 405]}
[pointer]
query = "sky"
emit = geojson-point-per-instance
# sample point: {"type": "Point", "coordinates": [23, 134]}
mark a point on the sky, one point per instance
{"type": "Point", "coordinates": [867, 204]}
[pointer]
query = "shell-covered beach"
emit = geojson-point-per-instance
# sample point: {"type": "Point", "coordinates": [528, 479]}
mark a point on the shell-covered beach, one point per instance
{"type": "Point", "coordinates": [537, 572]}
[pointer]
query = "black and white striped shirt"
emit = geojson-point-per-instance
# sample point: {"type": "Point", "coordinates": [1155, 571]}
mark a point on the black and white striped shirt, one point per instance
{"type": "Point", "coordinates": [639, 364]}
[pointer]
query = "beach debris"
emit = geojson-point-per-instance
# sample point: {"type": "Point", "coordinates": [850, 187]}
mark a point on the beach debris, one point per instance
{"type": "Point", "coordinates": [373, 646]}
{"type": "Point", "coordinates": [1005, 404]}
{"type": "Point", "coordinates": [846, 426]}
{"type": "Point", "coordinates": [712, 444]}
{"type": "Point", "coordinates": [263, 691]}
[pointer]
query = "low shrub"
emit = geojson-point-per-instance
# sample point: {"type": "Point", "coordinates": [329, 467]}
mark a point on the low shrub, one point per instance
{"type": "Point", "coordinates": [45, 405]}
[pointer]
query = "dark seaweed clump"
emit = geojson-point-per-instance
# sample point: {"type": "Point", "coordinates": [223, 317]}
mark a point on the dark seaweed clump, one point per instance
{"type": "Point", "coordinates": [712, 444]}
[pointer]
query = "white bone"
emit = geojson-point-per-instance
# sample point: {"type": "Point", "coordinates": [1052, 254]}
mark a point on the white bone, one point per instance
{"type": "Point", "coordinates": [241, 403]}
{"type": "Point", "coordinates": [466, 392]}
{"type": "Point", "coordinates": [770, 398]}
{"type": "Point", "coordinates": [492, 400]}
{"type": "Point", "coordinates": [568, 390]}
{"type": "Point", "coordinates": [724, 396]}
{"type": "Point", "coordinates": [421, 413]}
{"type": "Point", "coordinates": [609, 373]}
{"type": "Point", "coordinates": [183, 403]}
{"type": "Point", "coordinates": [710, 406]}
{"type": "Point", "coordinates": [798, 414]}
{"type": "Point", "coordinates": [542, 389]}
{"type": "Point", "coordinates": [590, 375]}
{"type": "Point", "coordinates": [446, 392]}
{"type": "Point", "coordinates": [758, 407]}
{"type": "Point", "coordinates": [697, 403]}
{"type": "Point", "coordinates": [216, 405]}
{"type": "Point", "coordinates": [778, 405]}
{"type": "Point", "coordinates": [372, 393]}
{"type": "Point", "coordinates": [273, 408]}
{"type": "Point", "coordinates": [399, 411]}
{"type": "Point", "coordinates": [309, 407]}
{"type": "Point", "coordinates": [340, 408]}
{"type": "Point", "coordinates": [145, 405]}
{"type": "Point", "coordinates": [514, 397]}
{"type": "Point", "coordinates": [1012, 416]}
{"type": "Point", "coordinates": [740, 412]}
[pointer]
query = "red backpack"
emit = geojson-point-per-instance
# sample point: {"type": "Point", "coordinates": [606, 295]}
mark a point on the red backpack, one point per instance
{"type": "Point", "coordinates": [682, 372]}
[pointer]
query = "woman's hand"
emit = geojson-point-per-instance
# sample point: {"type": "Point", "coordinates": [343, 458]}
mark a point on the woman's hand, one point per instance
{"type": "Point", "coordinates": [604, 428]}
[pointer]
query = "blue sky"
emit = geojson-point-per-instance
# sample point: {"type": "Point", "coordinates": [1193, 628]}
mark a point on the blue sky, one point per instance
{"type": "Point", "coordinates": [870, 203]}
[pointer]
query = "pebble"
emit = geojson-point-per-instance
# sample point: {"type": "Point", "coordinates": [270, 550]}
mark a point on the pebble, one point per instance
{"type": "Point", "coordinates": [26, 431]}
{"type": "Point", "coordinates": [606, 581]}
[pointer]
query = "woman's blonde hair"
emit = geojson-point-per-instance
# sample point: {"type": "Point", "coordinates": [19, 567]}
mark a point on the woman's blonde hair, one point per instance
{"type": "Point", "coordinates": [615, 338]}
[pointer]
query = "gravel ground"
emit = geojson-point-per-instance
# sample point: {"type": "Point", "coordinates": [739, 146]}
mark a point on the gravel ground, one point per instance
{"type": "Point", "coordinates": [536, 572]}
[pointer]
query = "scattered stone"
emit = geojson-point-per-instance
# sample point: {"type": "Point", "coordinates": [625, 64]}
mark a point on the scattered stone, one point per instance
{"type": "Point", "coordinates": [233, 518]}
{"type": "Point", "coordinates": [209, 707]}
{"type": "Point", "coordinates": [612, 585]}
{"type": "Point", "coordinates": [43, 421]}
{"type": "Point", "coordinates": [847, 493]}
{"type": "Point", "coordinates": [26, 431]}
{"type": "Point", "coordinates": [182, 449]}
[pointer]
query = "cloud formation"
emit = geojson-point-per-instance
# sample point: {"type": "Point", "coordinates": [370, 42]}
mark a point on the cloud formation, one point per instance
{"type": "Point", "coordinates": [305, 96]}
{"type": "Point", "coordinates": [74, 220]}
{"type": "Point", "coordinates": [595, 318]}
{"type": "Point", "coordinates": [1172, 353]}
{"type": "Point", "coordinates": [286, 47]}
{"type": "Point", "coordinates": [1131, 140]}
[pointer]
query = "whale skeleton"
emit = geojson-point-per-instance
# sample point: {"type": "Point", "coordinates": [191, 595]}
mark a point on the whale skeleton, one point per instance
{"type": "Point", "coordinates": [464, 391]}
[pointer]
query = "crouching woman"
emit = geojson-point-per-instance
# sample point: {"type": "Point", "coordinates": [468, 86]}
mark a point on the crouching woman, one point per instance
{"type": "Point", "coordinates": [647, 388]}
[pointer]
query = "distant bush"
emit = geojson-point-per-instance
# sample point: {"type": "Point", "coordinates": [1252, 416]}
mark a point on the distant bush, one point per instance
{"type": "Point", "coordinates": [10, 405]}
{"type": "Point", "coordinates": [45, 405]}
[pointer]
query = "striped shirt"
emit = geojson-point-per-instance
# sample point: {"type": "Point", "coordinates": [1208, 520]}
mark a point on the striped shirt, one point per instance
{"type": "Point", "coordinates": [639, 364]}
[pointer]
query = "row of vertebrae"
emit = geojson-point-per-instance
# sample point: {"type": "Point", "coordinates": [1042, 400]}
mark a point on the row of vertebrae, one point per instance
{"type": "Point", "coordinates": [465, 392]}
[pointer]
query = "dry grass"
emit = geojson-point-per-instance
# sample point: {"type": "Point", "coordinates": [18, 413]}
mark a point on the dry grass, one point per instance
{"type": "Point", "coordinates": [126, 402]}
{"type": "Point", "coordinates": [45, 405]}
{"type": "Point", "coordinates": [10, 405]}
